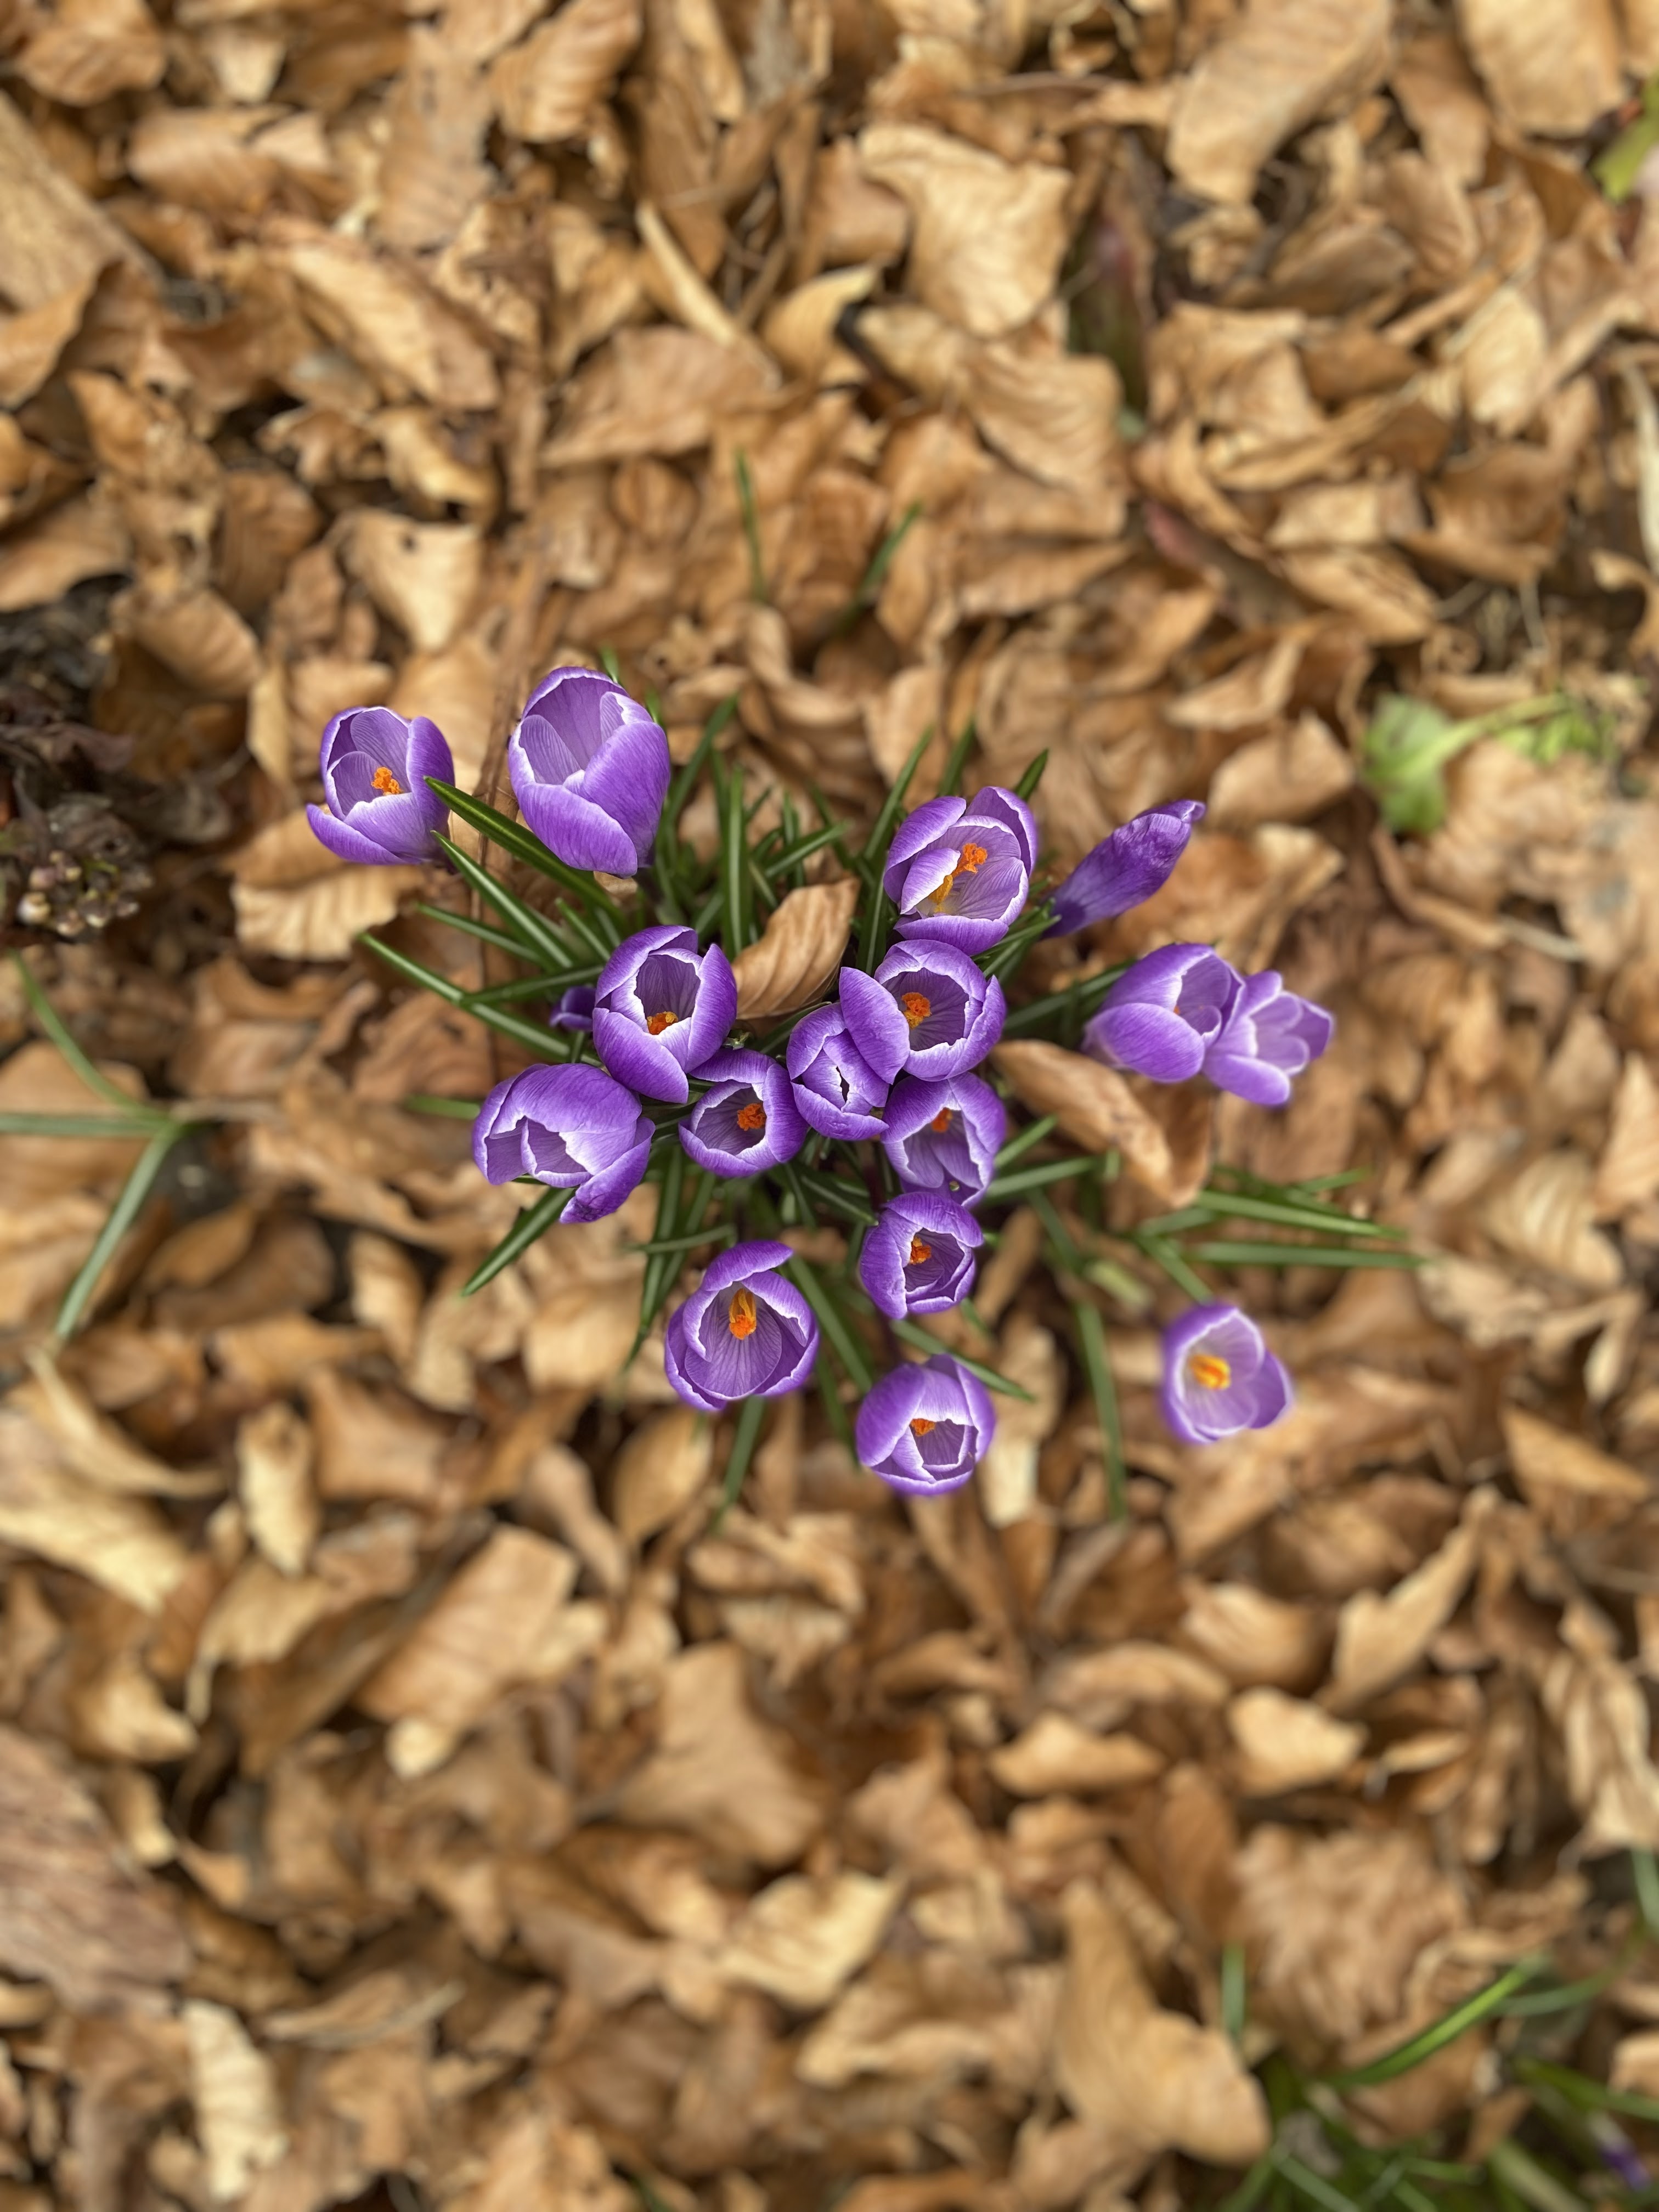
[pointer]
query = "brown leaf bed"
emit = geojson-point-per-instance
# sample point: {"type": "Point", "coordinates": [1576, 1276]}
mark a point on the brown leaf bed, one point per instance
{"type": "Point", "coordinates": [409, 1796]}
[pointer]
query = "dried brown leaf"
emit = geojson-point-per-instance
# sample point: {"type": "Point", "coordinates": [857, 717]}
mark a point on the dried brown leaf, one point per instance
{"type": "Point", "coordinates": [1285, 1743]}
{"type": "Point", "coordinates": [798, 952]}
{"type": "Point", "coordinates": [545, 89]}
{"type": "Point", "coordinates": [1551, 66]}
{"type": "Point", "coordinates": [1380, 1638]}
{"type": "Point", "coordinates": [801, 1939]}
{"type": "Point", "coordinates": [1098, 1112]}
{"type": "Point", "coordinates": [236, 2095]}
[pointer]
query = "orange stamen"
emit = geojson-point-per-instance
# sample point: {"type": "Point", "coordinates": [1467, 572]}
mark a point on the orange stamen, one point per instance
{"type": "Point", "coordinates": [1208, 1369]}
{"type": "Point", "coordinates": [659, 1023]}
{"type": "Point", "coordinates": [974, 858]}
{"type": "Point", "coordinates": [941, 1120]}
{"type": "Point", "coordinates": [921, 1428]}
{"type": "Point", "coordinates": [914, 1008]}
{"type": "Point", "coordinates": [919, 1252]}
{"type": "Point", "coordinates": [740, 1315]}
{"type": "Point", "coordinates": [384, 783]}
{"type": "Point", "coordinates": [751, 1116]}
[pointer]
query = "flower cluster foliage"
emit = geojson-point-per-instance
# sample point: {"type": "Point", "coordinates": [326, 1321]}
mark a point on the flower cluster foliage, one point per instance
{"type": "Point", "coordinates": [877, 1100]}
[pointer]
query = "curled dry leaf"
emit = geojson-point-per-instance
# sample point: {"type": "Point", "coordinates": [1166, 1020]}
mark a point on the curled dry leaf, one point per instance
{"type": "Point", "coordinates": [424, 574]}
{"type": "Point", "coordinates": [1602, 1714]}
{"type": "Point", "coordinates": [1056, 1755]}
{"type": "Point", "coordinates": [83, 537]}
{"type": "Point", "coordinates": [545, 89]}
{"type": "Point", "coordinates": [1285, 1743]}
{"type": "Point", "coordinates": [801, 1939]}
{"type": "Point", "coordinates": [1627, 1172]}
{"type": "Point", "coordinates": [1151, 2080]}
{"type": "Point", "coordinates": [273, 1465]}
{"type": "Point", "coordinates": [121, 1543]}
{"type": "Point", "coordinates": [798, 951]}
{"type": "Point", "coordinates": [1378, 1639]}
{"type": "Point", "coordinates": [1098, 1112]}
{"type": "Point", "coordinates": [659, 1470]}
{"type": "Point", "coordinates": [1551, 66]}
{"type": "Point", "coordinates": [91, 50]}
{"type": "Point", "coordinates": [295, 899]}
{"type": "Point", "coordinates": [234, 2088]}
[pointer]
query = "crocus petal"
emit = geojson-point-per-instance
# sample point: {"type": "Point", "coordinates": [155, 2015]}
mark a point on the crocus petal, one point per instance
{"type": "Point", "coordinates": [877, 1027]}
{"type": "Point", "coordinates": [1150, 1039]}
{"type": "Point", "coordinates": [923, 826]}
{"type": "Point", "coordinates": [1125, 869]}
{"type": "Point", "coordinates": [643, 1062]}
{"type": "Point", "coordinates": [715, 1010]}
{"type": "Point", "coordinates": [574, 830]}
{"type": "Point", "coordinates": [603, 1193]}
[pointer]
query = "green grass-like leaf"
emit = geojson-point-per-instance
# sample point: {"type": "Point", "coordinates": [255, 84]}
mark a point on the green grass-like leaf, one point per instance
{"type": "Point", "coordinates": [744, 1437]}
{"type": "Point", "coordinates": [533, 1223]}
{"type": "Point", "coordinates": [122, 1214]}
{"type": "Point", "coordinates": [546, 1043]}
{"type": "Point", "coordinates": [83, 1066]}
{"type": "Point", "coordinates": [1097, 1366]}
{"type": "Point", "coordinates": [524, 845]}
{"type": "Point", "coordinates": [910, 1331]}
{"type": "Point", "coordinates": [447, 1109]}
{"type": "Point", "coordinates": [837, 1330]}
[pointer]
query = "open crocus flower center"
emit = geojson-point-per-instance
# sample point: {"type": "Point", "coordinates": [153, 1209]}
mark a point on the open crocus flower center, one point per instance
{"type": "Point", "coordinates": [740, 1313]}
{"type": "Point", "coordinates": [941, 1120]}
{"type": "Point", "coordinates": [1209, 1370]}
{"type": "Point", "coordinates": [920, 1427]}
{"type": "Point", "coordinates": [751, 1116]}
{"type": "Point", "coordinates": [915, 1008]}
{"type": "Point", "coordinates": [919, 1253]}
{"type": "Point", "coordinates": [656, 1023]}
{"type": "Point", "coordinates": [970, 861]}
{"type": "Point", "coordinates": [385, 783]}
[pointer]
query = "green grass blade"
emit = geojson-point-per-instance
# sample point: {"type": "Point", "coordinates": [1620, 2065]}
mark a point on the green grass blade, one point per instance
{"type": "Point", "coordinates": [447, 1109]}
{"type": "Point", "coordinates": [1005, 959]}
{"type": "Point", "coordinates": [1447, 2029]}
{"type": "Point", "coordinates": [1314, 2187]}
{"type": "Point", "coordinates": [734, 862]}
{"type": "Point", "coordinates": [744, 1437]}
{"type": "Point", "coordinates": [958, 761]}
{"type": "Point", "coordinates": [801, 849]}
{"type": "Point", "coordinates": [1031, 1135]}
{"type": "Point", "coordinates": [534, 1221]}
{"type": "Point", "coordinates": [1244, 1206]}
{"type": "Point", "coordinates": [1235, 1993]}
{"type": "Point", "coordinates": [752, 529]}
{"type": "Point", "coordinates": [52, 1023]}
{"type": "Point", "coordinates": [1097, 1365]}
{"type": "Point", "coordinates": [485, 931]}
{"type": "Point", "coordinates": [835, 1411]}
{"type": "Point", "coordinates": [876, 843]}
{"type": "Point", "coordinates": [852, 1203]}
{"type": "Point", "coordinates": [122, 1214]}
{"type": "Point", "coordinates": [662, 1269]}
{"type": "Point", "coordinates": [542, 936]}
{"type": "Point", "coordinates": [833, 1323]}
{"type": "Point", "coordinates": [1033, 775]}
{"type": "Point", "coordinates": [1042, 1174]}
{"type": "Point", "coordinates": [1059, 1015]}
{"type": "Point", "coordinates": [909, 1332]}
{"type": "Point", "coordinates": [548, 1044]}
{"type": "Point", "coordinates": [523, 844]}
{"type": "Point", "coordinates": [1251, 2190]}
{"type": "Point", "coordinates": [723, 1233]}
{"type": "Point", "coordinates": [131, 1126]}
{"type": "Point", "coordinates": [1169, 1257]}
{"type": "Point", "coordinates": [1225, 1253]}
{"type": "Point", "coordinates": [1644, 1871]}
{"type": "Point", "coordinates": [869, 590]}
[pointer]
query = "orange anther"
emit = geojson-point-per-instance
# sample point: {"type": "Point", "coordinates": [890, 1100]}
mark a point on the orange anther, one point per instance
{"type": "Point", "coordinates": [659, 1023]}
{"type": "Point", "coordinates": [914, 1008]}
{"type": "Point", "coordinates": [919, 1252]}
{"type": "Point", "coordinates": [740, 1315]}
{"type": "Point", "coordinates": [921, 1428]}
{"type": "Point", "coordinates": [385, 782]}
{"type": "Point", "coordinates": [751, 1116]}
{"type": "Point", "coordinates": [941, 1120]}
{"type": "Point", "coordinates": [1209, 1370]}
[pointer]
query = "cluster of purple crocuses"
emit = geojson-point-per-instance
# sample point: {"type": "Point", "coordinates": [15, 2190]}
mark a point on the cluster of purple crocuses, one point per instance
{"type": "Point", "coordinates": [892, 1058]}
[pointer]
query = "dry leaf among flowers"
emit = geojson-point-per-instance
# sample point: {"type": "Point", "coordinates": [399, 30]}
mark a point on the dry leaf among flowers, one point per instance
{"type": "Point", "coordinates": [798, 952]}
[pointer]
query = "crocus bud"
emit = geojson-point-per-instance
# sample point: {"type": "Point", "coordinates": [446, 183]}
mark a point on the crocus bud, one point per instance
{"type": "Point", "coordinates": [746, 1332]}
{"type": "Point", "coordinates": [1219, 1376]}
{"type": "Point", "coordinates": [958, 870]}
{"type": "Point", "coordinates": [590, 770]}
{"type": "Point", "coordinates": [572, 1127]}
{"type": "Point", "coordinates": [926, 1009]}
{"type": "Point", "coordinates": [946, 1136]}
{"type": "Point", "coordinates": [1126, 867]}
{"type": "Point", "coordinates": [661, 1007]}
{"type": "Point", "coordinates": [746, 1121]}
{"type": "Point", "coordinates": [837, 1090]}
{"type": "Point", "coordinates": [925, 1428]}
{"type": "Point", "coordinates": [1268, 1037]}
{"type": "Point", "coordinates": [1163, 1016]}
{"type": "Point", "coordinates": [919, 1258]}
{"type": "Point", "coordinates": [374, 767]}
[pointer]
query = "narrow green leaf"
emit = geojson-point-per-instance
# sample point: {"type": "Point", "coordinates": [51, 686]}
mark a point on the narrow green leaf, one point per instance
{"type": "Point", "coordinates": [1251, 2190]}
{"type": "Point", "coordinates": [1314, 2186]}
{"type": "Point", "coordinates": [958, 761]}
{"type": "Point", "coordinates": [834, 1411]}
{"type": "Point", "coordinates": [1059, 1236]}
{"type": "Point", "coordinates": [910, 1331]}
{"type": "Point", "coordinates": [1039, 1176]}
{"type": "Point", "coordinates": [530, 987]}
{"type": "Point", "coordinates": [610, 663]}
{"type": "Point", "coordinates": [534, 1221]}
{"type": "Point", "coordinates": [52, 1023]}
{"type": "Point", "coordinates": [1059, 1015]}
{"type": "Point", "coordinates": [1033, 775]}
{"type": "Point", "coordinates": [662, 1269]}
{"type": "Point", "coordinates": [752, 529]}
{"type": "Point", "coordinates": [1031, 1135]}
{"type": "Point", "coordinates": [796, 854]}
{"type": "Point", "coordinates": [833, 1323]}
{"type": "Point", "coordinates": [524, 845]}
{"type": "Point", "coordinates": [1005, 959]}
{"type": "Point", "coordinates": [135, 1125]}
{"type": "Point", "coordinates": [744, 1437]}
{"type": "Point", "coordinates": [734, 862]}
{"type": "Point", "coordinates": [448, 1109]}
{"type": "Point", "coordinates": [1169, 1257]}
{"type": "Point", "coordinates": [550, 1044]}
{"type": "Point", "coordinates": [869, 590]}
{"type": "Point", "coordinates": [485, 931]}
{"type": "Point", "coordinates": [1241, 1206]}
{"type": "Point", "coordinates": [876, 843]}
{"type": "Point", "coordinates": [1644, 1870]}
{"type": "Point", "coordinates": [122, 1214]}
{"type": "Point", "coordinates": [1226, 1254]}
{"type": "Point", "coordinates": [878, 924]}
{"type": "Point", "coordinates": [723, 1233]}
{"type": "Point", "coordinates": [1590, 2096]}
{"type": "Point", "coordinates": [543, 936]}
{"type": "Point", "coordinates": [1532, 2183]}
{"type": "Point", "coordinates": [852, 1203]}
{"type": "Point", "coordinates": [1447, 2029]}
{"type": "Point", "coordinates": [1235, 1994]}
{"type": "Point", "coordinates": [1103, 1385]}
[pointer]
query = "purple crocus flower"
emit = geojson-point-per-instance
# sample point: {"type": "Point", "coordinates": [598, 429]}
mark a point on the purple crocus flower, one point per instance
{"type": "Point", "coordinates": [374, 767]}
{"type": "Point", "coordinates": [1126, 867]}
{"type": "Point", "coordinates": [927, 1009]}
{"type": "Point", "coordinates": [1219, 1376]}
{"type": "Point", "coordinates": [1162, 1018]}
{"type": "Point", "coordinates": [747, 1120]}
{"type": "Point", "coordinates": [661, 1008]}
{"type": "Point", "coordinates": [746, 1332]}
{"type": "Point", "coordinates": [958, 870]}
{"type": "Point", "coordinates": [946, 1136]}
{"type": "Point", "coordinates": [574, 1009]}
{"type": "Point", "coordinates": [591, 769]}
{"type": "Point", "coordinates": [919, 1258]}
{"type": "Point", "coordinates": [836, 1089]}
{"type": "Point", "coordinates": [1268, 1036]}
{"type": "Point", "coordinates": [925, 1428]}
{"type": "Point", "coordinates": [573, 1127]}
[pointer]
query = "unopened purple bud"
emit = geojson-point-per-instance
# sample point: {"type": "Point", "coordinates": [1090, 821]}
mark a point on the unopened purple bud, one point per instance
{"type": "Point", "coordinates": [746, 1332]}
{"type": "Point", "coordinates": [946, 1136]}
{"type": "Point", "coordinates": [746, 1121]}
{"type": "Point", "coordinates": [925, 1428]}
{"type": "Point", "coordinates": [837, 1090]}
{"type": "Point", "coordinates": [1219, 1376]}
{"type": "Point", "coordinates": [374, 766]}
{"type": "Point", "coordinates": [919, 1258]}
{"type": "Point", "coordinates": [574, 1009]}
{"type": "Point", "coordinates": [661, 1008]}
{"type": "Point", "coordinates": [1268, 1037]}
{"type": "Point", "coordinates": [1162, 1018]}
{"type": "Point", "coordinates": [927, 1010]}
{"type": "Point", "coordinates": [958, 870]}
{"type": "Point", "coordinates": [572, 1127]}
{"type": "Point", "coordinates": [591, 771]}
{"type": "Point", "coordinates": [1125, 869]}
